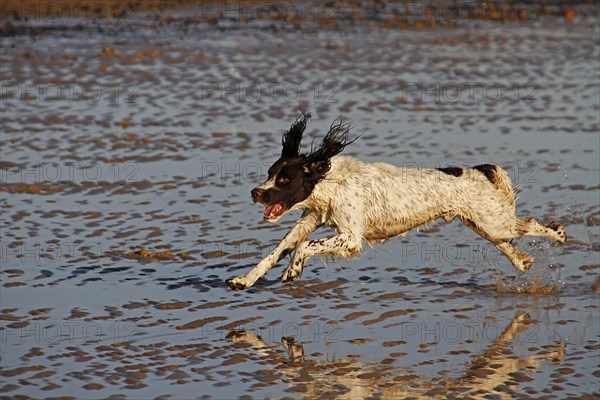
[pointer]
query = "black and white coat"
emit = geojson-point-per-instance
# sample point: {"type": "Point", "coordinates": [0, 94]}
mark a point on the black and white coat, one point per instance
{"type": "Point", "coordinates": [377, 201]}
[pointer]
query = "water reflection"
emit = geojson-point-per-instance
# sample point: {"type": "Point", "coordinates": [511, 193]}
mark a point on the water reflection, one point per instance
{"type": "Point", "coordinates": [497, 370]}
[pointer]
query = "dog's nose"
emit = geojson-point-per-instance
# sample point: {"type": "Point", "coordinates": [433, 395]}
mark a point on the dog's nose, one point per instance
{"type": "Point", "coordinates": [257, 193]}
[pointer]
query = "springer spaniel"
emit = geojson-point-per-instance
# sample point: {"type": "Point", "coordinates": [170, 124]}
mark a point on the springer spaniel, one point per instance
{"type": "Point", "coordinates": [377, 201]}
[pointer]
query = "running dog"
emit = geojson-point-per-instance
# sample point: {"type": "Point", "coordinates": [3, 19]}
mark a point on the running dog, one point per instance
{"type": "Point", "coordinates": [377, 201]}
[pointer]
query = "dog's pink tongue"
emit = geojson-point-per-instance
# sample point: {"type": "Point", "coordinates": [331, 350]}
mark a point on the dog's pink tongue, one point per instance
{"type": "Point", "coordinates": [273, 210]}
{"type": "Point", "coordinates": [268, 210]}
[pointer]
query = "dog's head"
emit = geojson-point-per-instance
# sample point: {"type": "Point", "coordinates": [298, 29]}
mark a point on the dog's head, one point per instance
{"type": "Point", "coordinates": [294, 175]}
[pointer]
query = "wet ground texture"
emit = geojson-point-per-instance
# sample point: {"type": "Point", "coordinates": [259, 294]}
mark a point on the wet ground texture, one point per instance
{"type": "Point", "coordinates": [130, 145]}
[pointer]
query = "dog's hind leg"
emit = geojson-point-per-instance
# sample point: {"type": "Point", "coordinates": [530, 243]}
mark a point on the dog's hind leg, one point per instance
{"type": "Point", "coordinates": [531, 227]}
{"type": "Point", "coordinates": [342, 245]}
{"type": "Point", "coordinates": [552, 230]}
{"type": "Point", "coordinates": [520, 260]}
{"type": "Point", "coordinates": [299, 233]}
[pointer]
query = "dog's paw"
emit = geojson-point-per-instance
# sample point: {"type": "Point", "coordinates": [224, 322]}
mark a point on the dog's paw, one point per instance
{"type": "Point", "coordinates": [238, 283]}
{"type": "Point", "coordinates": [290, 274]}
{"type": "Point", "coordinates": [523, 262]}
{"type": "Point", "coordinates": [560, 231]}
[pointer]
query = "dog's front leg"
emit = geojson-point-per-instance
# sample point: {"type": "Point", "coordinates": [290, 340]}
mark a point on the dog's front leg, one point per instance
{"type": "Point", "coordinates": [344, 245]}
{"type": "Point", "coordinates": [307, 224]}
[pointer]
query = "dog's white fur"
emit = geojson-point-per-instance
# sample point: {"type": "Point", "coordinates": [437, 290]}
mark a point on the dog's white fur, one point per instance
{"type": "Point", "coordinates": [377, 201]}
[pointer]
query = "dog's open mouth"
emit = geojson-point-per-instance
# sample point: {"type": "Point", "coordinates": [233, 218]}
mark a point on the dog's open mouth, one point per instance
{"type": "Point", "coordinates": [275, 211]}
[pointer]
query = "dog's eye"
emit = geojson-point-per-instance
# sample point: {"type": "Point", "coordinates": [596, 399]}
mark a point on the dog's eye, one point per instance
{"type": "Point", "coordinates": [283, 180]}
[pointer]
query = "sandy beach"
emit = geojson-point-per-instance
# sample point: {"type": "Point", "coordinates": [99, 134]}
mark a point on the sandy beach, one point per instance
{"type": "Point", "coordinates": [132, 134]}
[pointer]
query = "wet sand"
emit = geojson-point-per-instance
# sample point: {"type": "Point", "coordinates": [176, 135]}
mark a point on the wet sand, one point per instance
{"type": "Point", "coordinates": [129, 148]}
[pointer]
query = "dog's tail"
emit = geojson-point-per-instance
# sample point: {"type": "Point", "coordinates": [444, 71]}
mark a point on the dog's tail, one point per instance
{"type": "Point", "coordinates": [498, 177]}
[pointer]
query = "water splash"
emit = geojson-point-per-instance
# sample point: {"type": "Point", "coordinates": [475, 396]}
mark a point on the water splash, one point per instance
{"type": "Point", "coordinates": [542, 278]}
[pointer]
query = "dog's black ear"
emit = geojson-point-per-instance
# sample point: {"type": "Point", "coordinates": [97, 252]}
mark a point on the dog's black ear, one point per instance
{"type": "Point", "coordinates": [317, 161]}
{"type": "Point", "coordinates": [292, 138]}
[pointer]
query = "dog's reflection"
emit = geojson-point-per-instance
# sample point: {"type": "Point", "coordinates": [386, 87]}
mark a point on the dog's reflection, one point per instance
{"type": "Point", "coordinates": [498, 365]}
{"type": "Point", "coordinates": [496, 371]}
{"type": "Point", "coordinates": [294, 350]}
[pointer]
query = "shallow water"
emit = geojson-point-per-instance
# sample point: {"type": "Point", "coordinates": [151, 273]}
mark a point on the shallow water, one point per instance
{"type": "Point", "coordinates": [149, 133]}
